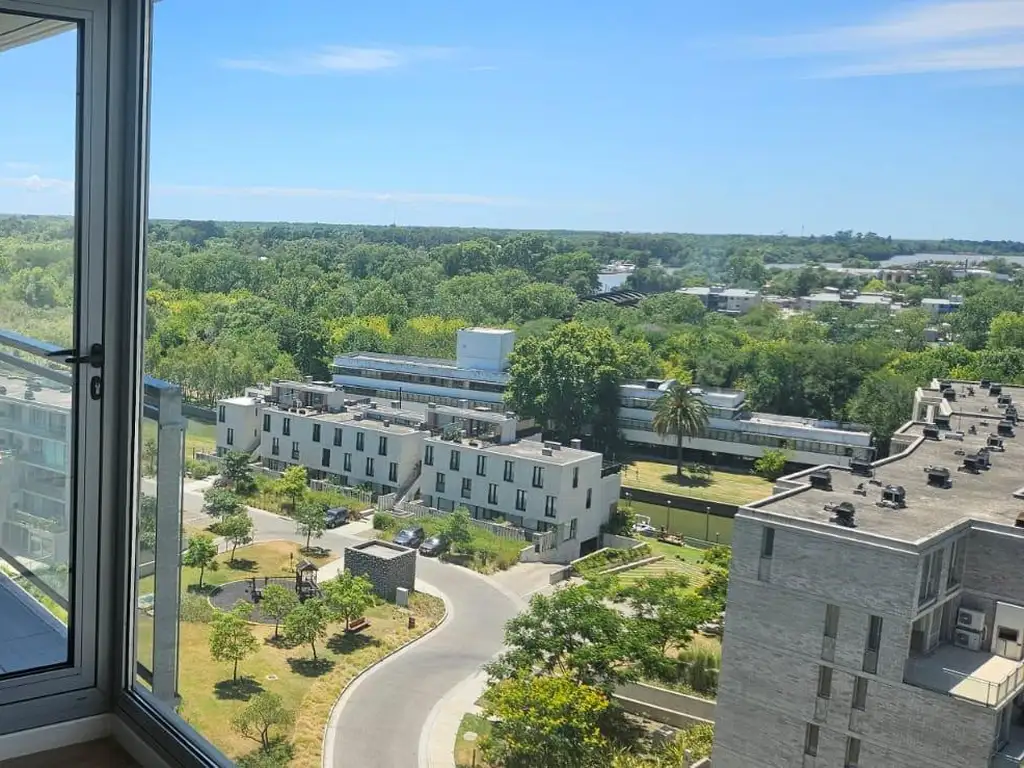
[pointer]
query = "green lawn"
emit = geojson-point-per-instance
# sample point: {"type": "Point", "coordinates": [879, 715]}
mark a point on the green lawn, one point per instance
{"type": "Point", "coordinates": [210, 698]}
{"type": "Point", "coordinates": [727, 487]}
{"type": "Point", "coordinates": [685, 560]}
{"type": "Point", "coordinates": [198, 436]}
{"type": "Point", "coordinates": [468, 753]}
{"type": "Point", "coordinates": [685, 522]}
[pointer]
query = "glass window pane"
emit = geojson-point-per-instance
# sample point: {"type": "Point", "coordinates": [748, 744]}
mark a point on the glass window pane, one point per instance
{"type": "Point", "coordinates": [38, 274]}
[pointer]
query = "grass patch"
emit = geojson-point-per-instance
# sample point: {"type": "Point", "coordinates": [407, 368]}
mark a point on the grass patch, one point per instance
{"type": "Point", "coordinates": [485, 553]}
{"type": "Point", "coordinates": [468, 753]}
{"type": "Point", "coordinates": [199, 437]}
{"type": "Point", "coordinates": [684, 522]}
{"type": "Point", "coordinates": [720, 485]}
{"type": "Point", "coordinates": [604, 559]}
{"type": "Point", "coordinates": [210, 698]}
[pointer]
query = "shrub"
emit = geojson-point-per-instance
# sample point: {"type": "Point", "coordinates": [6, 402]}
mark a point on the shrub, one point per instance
{"type": "Point", "coordinates": [621, 522]}
{"type": "Point", "coordinates": [698, 669]}
{"type": "Point", "coordinates": [196, 609]}
{"type": "Point", "coordinates": [200, 470]}
{"type": "Point", "coordinates": [604, 559]}
{"type": "Point", "coordinates": [279, 755]}
{"type": "Point", "coordinates": [382, 521]}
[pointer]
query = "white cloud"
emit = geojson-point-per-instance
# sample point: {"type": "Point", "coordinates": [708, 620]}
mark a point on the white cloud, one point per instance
{"type": "Point", "coordinates": [961, 36]}
{"type": "Point", "coordinates": [340, 59]}
{"type": "Point", "coordinates": [36, 183]}
{"type": "Point", "coordinates": [451, 198]}
{"type": "Point", "coordinates": [22, 167]}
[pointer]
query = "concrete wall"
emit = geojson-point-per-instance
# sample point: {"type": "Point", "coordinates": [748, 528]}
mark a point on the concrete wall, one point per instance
{"type": "Point", "coordinates": [245, 423]}
{"type": "Point", "coordinates": [694, 706]}
{"type": "Point", "coordinates": [386, 573]}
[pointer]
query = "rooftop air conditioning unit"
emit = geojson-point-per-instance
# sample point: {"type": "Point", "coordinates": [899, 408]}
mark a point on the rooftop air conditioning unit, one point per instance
{"type": "Point", "coordinates": [843, 514]}
{"type": "Point", "coordinates": [373, 406]}
{"type": "Point", "coordinates": [995, 443]}
{"type": "Point", "coordinates": [995, 389]}
{"type": "Point", "coordinates": [938, 476]}
{"type": "Point", "coordinates": [944, 385]}
{"type": "Point", "coordinates": [545, 451]}
{"type": "Point", "coordinates": [357, 417]}
{"type": "Point", "coordinates": [931, 432]}
{"type": "Point", "coordinates": [3, 390]}
{"type": "Point", "coordinates": [386, 423]}
{"type": "Point", "coordinates": [821, 479]}
{"type": "Point", "coordinates": [942, 421]}
{"type": "Point", "coordinates": [1004, 399]}
{"type": "Point", "coordinates": [971, 464]}
{"type": "Point", "coordinates": [967, 638]}
{"type": "Point", "coordinates": [949, 394]}
{"type": "Point", "coordinates": [966, 618]}
{"type": "Point", "coordinates": [984, 383]}
{"type": "Point", "coordinates": [861, 467]}
{"type": "Point", "coordinates": [396, 404]}
{"type": "Point", "coordinates": [895, 495]}
{"type": "Point", "coordinates": [29, 394]}
{"type": "Point", "coordinates": [1005, 428]}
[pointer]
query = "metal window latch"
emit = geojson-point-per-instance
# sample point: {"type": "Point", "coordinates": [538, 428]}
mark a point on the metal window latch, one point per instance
{"type": "Point", "coordinates": [71, 356]}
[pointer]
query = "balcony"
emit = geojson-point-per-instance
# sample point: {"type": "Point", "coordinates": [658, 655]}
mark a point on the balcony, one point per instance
{"type": "Point", "coordinates": [976, 676]}
{"type": "Point", "coordinates": [30, 636]}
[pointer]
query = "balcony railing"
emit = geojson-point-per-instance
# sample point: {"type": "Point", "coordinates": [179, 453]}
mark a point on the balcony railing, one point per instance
{"type": "Point", "coordinates": [983, 678]}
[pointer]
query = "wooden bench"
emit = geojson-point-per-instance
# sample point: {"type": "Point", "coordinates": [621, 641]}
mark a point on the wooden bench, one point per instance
{"type": "Point", "coordinates": [357, 626]}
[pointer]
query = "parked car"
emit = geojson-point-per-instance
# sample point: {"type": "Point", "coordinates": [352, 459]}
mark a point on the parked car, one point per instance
{"type": "Point", "coordinates": [433, 546]}
{"type": "Point", "coordinates": [337, 516]}
{"type": "Point", "coordinates": [410, 537]}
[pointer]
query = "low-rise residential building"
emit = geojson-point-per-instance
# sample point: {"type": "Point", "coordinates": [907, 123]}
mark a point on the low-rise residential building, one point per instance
{"type": "Point", "coordinates": [729, 301]}
{"type": "Point", "coordinates": [849, 299]}
{"type": "Point", "coordinates": [939, 307]}
{"type": "Point", "coordinates": [876, 612]}
{"type": "Point", "coordinates": [735, 433]}
{"type": "Point", "coordinates": [538, 486]}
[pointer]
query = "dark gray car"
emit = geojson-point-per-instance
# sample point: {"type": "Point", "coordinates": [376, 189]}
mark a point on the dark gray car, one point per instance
{"type": "Point", "coordinates": [410, 537]}
{"type": "Point", "coordinates": [433, 546]}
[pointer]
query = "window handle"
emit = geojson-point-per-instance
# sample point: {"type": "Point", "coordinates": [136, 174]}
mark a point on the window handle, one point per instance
{"type": "Point", "coordinates": [71, 356]}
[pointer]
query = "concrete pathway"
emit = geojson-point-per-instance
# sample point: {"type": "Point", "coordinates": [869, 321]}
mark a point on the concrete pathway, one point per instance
{"type": "Point", "coordinates": [437, 740]}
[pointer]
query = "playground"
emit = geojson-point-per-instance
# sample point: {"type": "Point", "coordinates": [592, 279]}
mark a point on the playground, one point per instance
{"type": "Point", "coordinates": [250, 590]}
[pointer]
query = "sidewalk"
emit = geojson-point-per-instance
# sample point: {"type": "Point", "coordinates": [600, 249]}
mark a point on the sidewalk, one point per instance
{"type": "Point", "coordinates": [442, 726]}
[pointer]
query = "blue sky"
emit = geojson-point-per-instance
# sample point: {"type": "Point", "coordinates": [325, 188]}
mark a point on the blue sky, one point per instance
{"type": "Point", "coordinates": [905, 118]}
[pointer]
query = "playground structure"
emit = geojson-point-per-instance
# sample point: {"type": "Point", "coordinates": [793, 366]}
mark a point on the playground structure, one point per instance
{"type": "Point", "coordinates": [306, 585]}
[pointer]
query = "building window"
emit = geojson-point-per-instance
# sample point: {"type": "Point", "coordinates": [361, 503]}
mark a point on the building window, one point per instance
{"type": "Point", "coordinates": [337, 436]}
{"type": "Point", "coordinates": [316, 433]}
{"type": "Point", "coordinates": [956, 564]}
{"type": "Point", "coordinates": [510, 472]}
{"type": "Point", "coordinates": [346, 462]}
{"type": "Point", "coordinates": [439, 482]}
{"type": "Point", "coordinates": [393, 472]}
{"type": "Point", "coordinates": [860, 692]}
{"type": "Point", "coordinates": [467, 487]}
{"type": "Point", "coordinates": [286, 429]}
{"type": "Point", "coordinates": [572, 529]}
{"type": "Point", "coordinates": [811, 740]}
{"type": "Point", "coordinates": [428, 455]}
{"type": "Point", "coordinates": [874, 643]}
{"type": "Point", "coordinates": [590, 492]}
{"type": "Point", "coordinates": [538, 477]}
{"type": "Point", "coordinates": [275, 447]}
{"type": "Point", "coordinates": [521, 500]}
{"type": "Point", "coordinates": [832, 621]}
{"type": "Point", "coordinates": [295, 450]}
{"type": "Point", "coordinates": [852, 753]}
{"type": "Point", "coordinates": [825, 682]}
{"type": "Point", "coordinates": [549, 506]}
{"type": "Point", "coordinates": [231, 436]}
{"type": "Point", "coordinates": [481, 466]}
{"type": "Point", "coordinates": [369, 466]}
{"type": "Point", "coordinates": [266, 422]}
{"type": "Point", "coordinates": [453, 461]}
{"type": "Point", "coordinates": [382, 446]}
{"type": "Point", "coordinates": [492, 493]}
{"type": "Point", "coordinates": [360, 438]}
{"type": "Point", "coordinates": [575, 477]}
{"type": "Point", "coordinates": [931, 575]}
{"type": "Point", "coordinates": [325, 457]}
{"type": "Point", "coordinates": [767, 542]}
{"type": "Point", "coordinates": [221, 414]}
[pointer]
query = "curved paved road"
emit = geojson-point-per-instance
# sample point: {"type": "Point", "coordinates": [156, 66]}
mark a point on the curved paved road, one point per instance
{"type": "Point", "coordinates": [380, 725]}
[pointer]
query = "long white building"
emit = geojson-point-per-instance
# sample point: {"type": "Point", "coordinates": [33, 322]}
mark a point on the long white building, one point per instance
{"type": "Point", "coordinates": [479, 374]}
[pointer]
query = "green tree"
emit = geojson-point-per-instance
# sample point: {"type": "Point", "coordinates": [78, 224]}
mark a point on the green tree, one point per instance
{"type": "Point", "coordinates": [308, 623]}
{"type": "Point", "coordinates": [348, 596]}
{"type": "Point", "coordinates": [456, 529]}
{"type": "Point", "coordinates": [682, 413]}
{"type": "Point", "coordinates": [277, 602]}
{"type": "Point", "coordinates": [884, 401]}
{"type": "Point", "coordinates": [222, 503]}
{"type": "Point", "coordinates": [715, 587]}
{"type": "Point", "coordinates": [231, 637]}
{"type": "Point", "coordinates": [573, 632]}
{"type": "Point", "coordinates": [550, 721]}
{"type": "Point", "coordinates": [147, 522]}
{"type": "Point", "coordinates": [238, 529]}
{"type": "Point", "coordinates": [771, 464]}
{"type": "Point", "coordinates": [202, 554]}
{"type": "Point", "coordinates": [568, 380]}
{"type": "Point", "coordinates": [310, 520]}
{"type": "Point", "coordinates": [149, 455]}
{"type": "Point", "coordinates": [293, 484]}
{"type": "Point", "coordinates": [235, 466]}
{"type": "Point", "coordinates": [1006, 331]}
{"type": "Point", "coordinates": [264, 713]}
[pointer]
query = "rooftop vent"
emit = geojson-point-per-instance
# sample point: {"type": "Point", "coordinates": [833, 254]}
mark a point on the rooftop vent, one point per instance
{"type": "Point", "coordinates": [995, 389]}
{"type": "Point", "coordinates": [551, 445]}
{"type": "Point", "coordinates": [3, 390]}
{"type": "Point", "coordinates": [396, 404]}
{"type": "Point", "coordinates": [842, 514]}
{"type": "Point", "coordinates": [296, 403]}
{"type": "Point", "coordinates": [30, 395]}
{"type": "Point", "coordinates": [358, 417]}
{"type": "Point", "coordinates": [931, 432]}
{"type": "Point", "coordinates": [949, 394]}
{"type": "Point", "coordinates": [995, 443]}
{"type": "Point", "coordinates": [941, 421]}
{"type": "Point", "coordinates": [431, 405]}
{"type": "Point", "coordinates": [821, 479]}
{"type": "Point", "coordinates": [985, 383]}
{"type": "Point", "coordinates": [576, 443]}
{"type": "Point", "coordinates": [373, 406]}
{"type": "Point", "coordinates": [972, 464]}
{"type": "Point", "coordinates": [895, 495]}
{"type": "Point", "coordinates": [1004, 399]}
{"type": "Point", "coordinates": [1005, 428]}
{"type": "Point", "coordinates": [1020, 520]}
{"type": "Point", "coordinates": [944, 385]}
{"type": "Point", "coordinates": [464, 404]}
{"type": "Point", "coordinates": [938, 476]}
{"type": "Point", "coordinates": [861, 467]}
{"type": "Point", "coordinates": [386, 423]}
{"type": "Point", "coordinates": [545, 451]}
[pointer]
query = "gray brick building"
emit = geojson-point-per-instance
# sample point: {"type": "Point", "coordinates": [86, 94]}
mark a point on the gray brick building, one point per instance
{"type": "Point", "coordinates": [876, 613]}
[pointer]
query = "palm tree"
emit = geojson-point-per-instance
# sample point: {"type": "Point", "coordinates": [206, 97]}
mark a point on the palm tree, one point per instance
{"type": "Point", "coordinates": [683, 413]}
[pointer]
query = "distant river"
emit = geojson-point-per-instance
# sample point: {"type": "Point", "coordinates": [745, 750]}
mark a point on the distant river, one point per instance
{"type": "Point", "coordinates": [912, 258]}
{"type": "Point", "coordinates": [612, 281]}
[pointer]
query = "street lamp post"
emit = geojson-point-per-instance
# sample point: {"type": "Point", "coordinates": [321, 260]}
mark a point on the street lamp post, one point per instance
{"type": "Point", "coordinates": [668, 515]}
{"type": "Point", "coordinates": [707, 522]}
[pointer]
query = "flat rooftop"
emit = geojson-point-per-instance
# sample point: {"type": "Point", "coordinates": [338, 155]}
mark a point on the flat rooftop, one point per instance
{"type": "Point", "coordinates": [978, 402]}
{"type": "Point", "coordinates": [523, 449]}
{"type": "Point", "coordinates": [48, 395]}
{"type": "Point", "coordinates": [987, 495]}
{"type": "Point", "coordinates": [29, 637]}
{"type": "Point", "coordinates": [383, 551]}
{"type": "Point", "coordinates": [983, 678]}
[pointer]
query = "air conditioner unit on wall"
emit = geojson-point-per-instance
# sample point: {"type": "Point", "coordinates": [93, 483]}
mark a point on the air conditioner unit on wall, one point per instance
{"type": "Point", "coordinates": [970, 619]}
{"type": "Point", "coordinates": [967, 638]}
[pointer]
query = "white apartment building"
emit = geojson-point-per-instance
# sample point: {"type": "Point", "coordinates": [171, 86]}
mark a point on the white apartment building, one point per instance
{"type": "Point", "coordinates": [940, 307]}
{"type": "Point", "coordinates": [478, 378]}
{"type": "Point", "coordinates": [849, 299]}
{"type": "Point", "coordinates": [538, 486]}
{"type": "Point", "coordinates": [729, 301]}
{"type": "Point", "coordinates": [35, 432]}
